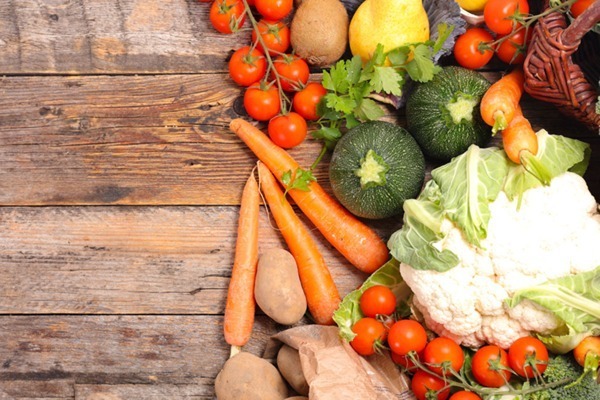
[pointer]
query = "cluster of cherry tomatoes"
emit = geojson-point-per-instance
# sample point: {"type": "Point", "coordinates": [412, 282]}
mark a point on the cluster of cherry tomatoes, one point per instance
{"type": "Point", "coordinates": [506, 33]}
{"type": "Point", "coordinates": [271, 75]}
{"type": "Point", "coordinates": [407, 341]}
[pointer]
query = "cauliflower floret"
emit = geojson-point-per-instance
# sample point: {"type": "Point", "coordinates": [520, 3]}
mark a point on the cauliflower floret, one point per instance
{"type": "Point", "coordinates": [554, 233]}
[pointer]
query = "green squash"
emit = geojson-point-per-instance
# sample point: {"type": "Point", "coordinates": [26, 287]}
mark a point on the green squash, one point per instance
{"type": "Point", "coordinates": [443, 114]}
{"type": "Point", "coordinates": [375, 166]}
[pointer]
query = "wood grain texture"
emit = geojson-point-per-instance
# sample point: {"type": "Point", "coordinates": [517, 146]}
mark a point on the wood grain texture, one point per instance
{"type": "Point", "coordinates": [107, 36]}
{"type": "Point", "coordinates": [54, 352]}
{"type": "Point", "coordinates": [146, 392]}
{"type": "Point", "coordinates": [123, 140]}
{"type": "Point", "coordinates": [132, 260]}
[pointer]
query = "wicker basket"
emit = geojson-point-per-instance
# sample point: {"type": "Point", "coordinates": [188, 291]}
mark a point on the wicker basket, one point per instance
{"type": "Point", "coordinates": [551, 70]}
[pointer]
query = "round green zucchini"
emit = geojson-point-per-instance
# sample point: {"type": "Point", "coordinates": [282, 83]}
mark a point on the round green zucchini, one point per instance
{"type": "Point", "coordinates": [375, 166]}
{"type": "Point", "coordinates": [443, 114]}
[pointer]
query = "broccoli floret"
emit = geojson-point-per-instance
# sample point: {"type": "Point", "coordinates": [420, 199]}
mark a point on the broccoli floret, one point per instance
{"type": "Point", "coordinates": [565, 368]}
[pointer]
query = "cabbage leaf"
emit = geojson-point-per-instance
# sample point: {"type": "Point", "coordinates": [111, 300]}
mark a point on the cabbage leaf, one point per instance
{"type": "Point", "coordinates": [415, 245]}
{"type": "Point", "coordinates": [469, 183]}
{"type": "Point", "coordinates": [574, 300]}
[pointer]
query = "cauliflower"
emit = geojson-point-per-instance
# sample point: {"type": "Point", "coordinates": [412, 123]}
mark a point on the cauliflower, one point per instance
{"type": "Point", "coordinates": [554, 232]}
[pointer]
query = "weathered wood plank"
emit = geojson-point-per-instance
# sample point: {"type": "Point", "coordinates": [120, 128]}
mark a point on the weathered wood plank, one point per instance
{"type": "Point", "coordinates": [131, 260]}
{"type": "Point", "coordinates": [146, 392]}
{"type": "Point", "coordinates": [45, 389]}
{"type": "Point", "coordinates": [123, 140]}
{"type": "Point", "coordinates": [107, 36]}
{"type": "Point", "coordinates": [147, 140]}
{"type": "Point", "coordinates": [116, 350]}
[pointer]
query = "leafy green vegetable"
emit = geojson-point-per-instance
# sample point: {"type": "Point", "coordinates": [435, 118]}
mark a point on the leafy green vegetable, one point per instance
{"type": "Point", "coordinates": [349, 311]}
{"type": "Point", "coordinates": [353, 88]}
{"type": "Point", "coordinates": [469, 183]}
{"type": "Point", "coordinates": [414, 244]}
{"type": "Point", "coordinates": [573, 299]}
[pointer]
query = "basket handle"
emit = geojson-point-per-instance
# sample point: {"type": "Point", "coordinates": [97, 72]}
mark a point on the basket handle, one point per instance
{"type": "Point", "coordinates": [582, 24]}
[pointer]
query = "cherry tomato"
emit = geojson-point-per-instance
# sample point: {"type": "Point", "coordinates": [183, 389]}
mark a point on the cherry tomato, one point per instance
{"type": "Point", "coordinates": [261, 101]}
{"type": "Point", "coordinates": [512, 50]}
{"type": "Point", "coordinates": [293, 71]}
{"type": "Point", "coordinates": [490, 366]}
{"type": "Point", "coordinates": [275, 35]}
{"type": "Point", "coordinates": [470, 49]}
{"type": "Point", "coordinates": [227, 16]}
{"type": "Point", "coordinates": [464, 395]}
{"type": "Point", "coordinates": [369, 332]}
{"type": "Point", "coordinates": [274, 9]}
{"type": "Point", "coordinates": [407, 335]}
{"type": "Point", "coordinates": [526, 352]}
{"type": "Point", "coordinates": [377, 300]}
{"type": "Point", "coordinates": [498, 14]}
{"type": "Point", "coordinates": [580, 6]}
{"type": "Point", "coordinates": [287, 130]}
{"type": "Point", "coordinates": [590, 344]}
{"type": "Point", "coordinates": [443, 350]}
{"type": "Point", "coordinates": [405, 361]}
{"type": "Point", "coordinates": [423, 383]}
{"type": "Point", "coordinates": [306, 100]}
{"type": "Point", "coordinates": [247, 66]}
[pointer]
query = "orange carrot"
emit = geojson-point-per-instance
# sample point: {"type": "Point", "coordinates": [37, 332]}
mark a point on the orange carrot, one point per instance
{"type": "Point", "coordinates": [500, 102]}
{"type": "Point", "coordinates": [358, 243]}
{"type": "Point", "coordinates": [519, 136]}
{"type": "Point", "coordinates": [240, 305]}
{"type": "Point", "coordinates": [322, 295]}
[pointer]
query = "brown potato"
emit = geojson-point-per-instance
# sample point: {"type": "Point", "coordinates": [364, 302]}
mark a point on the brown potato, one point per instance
{"type": "Point", "coordinates": [246, 376]}
{"type": "Point", "coordinates": [277, 290]}
{"type": "Point", "coordinates": [319, 31]}
{"type": "Point", "coordinates": [288, 362]}
{"type": "Point", "coordinates": [297, 398]}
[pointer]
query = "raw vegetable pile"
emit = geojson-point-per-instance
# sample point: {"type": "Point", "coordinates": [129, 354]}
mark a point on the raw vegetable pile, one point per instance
{"type": "Point", "coordinates": [491, 285]}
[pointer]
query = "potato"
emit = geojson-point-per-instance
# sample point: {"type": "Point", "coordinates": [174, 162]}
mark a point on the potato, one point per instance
{"type": "Point", "coordinates": [319, 31]}
{"type": "Point", "coordinates": [246, 376]}
{"type": "Point", "coordinates": [277, 288]}
{"type": "Point", "coordinates": [288, 362]}
{"type": "Point", "coordinates": [297, 398]}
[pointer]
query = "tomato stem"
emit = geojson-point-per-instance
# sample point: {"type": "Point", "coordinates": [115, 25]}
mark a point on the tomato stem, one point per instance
{"type": "Point", "coordinates": [283, 99]}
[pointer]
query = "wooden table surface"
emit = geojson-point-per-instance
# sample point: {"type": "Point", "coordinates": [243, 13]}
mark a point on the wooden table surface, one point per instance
{"type": "Point", "coordinates": [119, 191]}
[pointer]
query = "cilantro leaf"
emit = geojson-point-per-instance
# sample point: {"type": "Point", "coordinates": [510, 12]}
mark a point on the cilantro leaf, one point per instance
{"type": "Point", "coordinates": [368, 110]}
{"type": "Point", "coordinates": [422, 68]}
{"type": "Point", "coordinates": [387, 80]}
{"type": "Point", "coordinates": [354, 68]}
{"type": "Point", "coordinates": [299, 179]}
{"type": "Point", "coordinates": [328, 134]}
{"type": "Point", "coordinates": [343, 104]}
{"type": "Point", "coordinates": [444, 31]}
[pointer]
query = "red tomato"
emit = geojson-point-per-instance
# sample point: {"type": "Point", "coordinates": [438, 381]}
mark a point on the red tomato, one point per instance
{"type": "Point", "coordinates": [369, 332]}
{"type": "Point", "coordinates": [287, 130]}
{"type": "Point", "coordinates": [274, 9]}
{"type": "Point", "coordinates": [274, 34]}
{"type": "Point", "coordinates": [227, 16]}
{"type": "Point", "coordinates": [407, 335]}
{"type": "Point", "coordinates": [443, 351]}
{"type": "Point", "coordinates": [464, 395]}
{"type": "Point", "coordinates": [512, 50]}
{"type": "Point", "coordinates": [490, 366]}
{"type": "Point", "coordinates": [525, 353]}
{"type": "Point", "coordinates": [590, 344]}
{"type": "Point", "coordinates": [261, 101]}
{"type": "Point", "coordinates": [247, 66]}
{"type": "Point", "coordinates": [306, 100]}
{"type": "Point", "coordinates": [499, 14]}
{"type": "Point", "coordinates": [377, 300]}
{"type": "Point", "coordinates": [293, 71]}
{"type": "Point", "coordinates": [423, 383]}
{"type": "Point", "coordinates": [405, 361]}
{"type": "Point", "coordinates": [471, 50]}
{"type": "Point", "coordinates": [580, 6]}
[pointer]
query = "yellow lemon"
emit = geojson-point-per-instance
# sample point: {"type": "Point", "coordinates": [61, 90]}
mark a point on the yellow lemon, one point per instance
{"type": "Point", "coordinates": [393, 23]}
{"type": "Point", "coordinates": [472, 5]}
